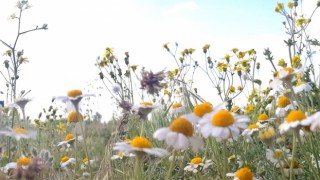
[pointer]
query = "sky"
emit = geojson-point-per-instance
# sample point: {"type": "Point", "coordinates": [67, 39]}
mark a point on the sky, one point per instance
{"type": "Point", "coordinates": [63, 57]}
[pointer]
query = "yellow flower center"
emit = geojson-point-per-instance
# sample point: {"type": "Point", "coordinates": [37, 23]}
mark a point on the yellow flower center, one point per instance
{"type": "Point", "coordinates": [176, 105]}
{"type": "Point", "coordinates": [289, 69]}
{"type": "Point", "coordinates": [20, 130]}
{"type": "Point", "coordinates": [23, 161]}
{"type": "Point", "coordinates": [296, 115]}
{"type": "Point", "coordinates": [267, 134]}
{"type": "Point", "coordinates": [74, 117]}
{"type": "Point", "coordinates": [120, 154]}
{"type": "Point", "coordinates": [249, 108]}
{"type": "Point", "coordinates": [202, 109]}
{"type": "Point", "coordinates": [223, 118]}
{"type": "Point", "coordinates": [68, 137]}
{"type": "Point", "coordinates": [263, 117]}
{"type": "Point", "coordinates": [141, 142]}
{"type": "Point", "coordinates": [244, 174]}
{"type": "Point", "coordinates": [181, 125]}
{"type": "Point", "coordinates": [235, 108]}
{"type": "Point", "coordinates": [232, 157]}
{"type": "Point", "coordinates": [85, 160]}
{"type": "Point", "coordinates": [65, 159]}
{"type": "Point", "coordinates": [300, 83]}
{"type": "Point", "coordinates": [283, 101]}
{"type": "Point", "coordinates": [253, 126]}
{"type": "Point", "coordinates": [299, 76]}
{"type": "Point", "coordinates": [74, 93]}
{"type": "Point", "coordinates": [277, 154]}
{"type": "Point", "coordinates": [146, 103]}
{"type": "Point", "coordinates": [196, 160]}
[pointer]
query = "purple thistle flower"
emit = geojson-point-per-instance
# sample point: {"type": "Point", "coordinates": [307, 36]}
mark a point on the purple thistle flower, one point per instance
{"type": "Point", "coordinates": [152, 82]}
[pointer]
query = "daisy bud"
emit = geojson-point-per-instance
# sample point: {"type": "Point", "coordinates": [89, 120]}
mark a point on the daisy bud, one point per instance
{"type": "Point", "coordinates": [267, 135]}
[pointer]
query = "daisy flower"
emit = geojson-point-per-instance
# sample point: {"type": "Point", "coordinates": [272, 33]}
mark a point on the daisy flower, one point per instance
{"type": "Point", "coordinates": [199, 111]}
{"type": "Point", "coordinates": [295, 120]}
{"type": "Point", "coordinates": [140, 146]}
{"type": "Point", "coordinates": [267, 135]}
{"type": "Point", "coordinates": [65, 161]}
{"type": "Point", "coordinates": [19, 133]}
{"type": "Point", "coordinates": [177, 108]}
{"type": "Point", "coordinates": [284, 105]}
{"type": "Point", "coordinates": [74, 117]}
{"type": "Point", "coordinates": [179, 135]}
{"type": "Point", "coordinates": [22, 162]}
{"type": "Point", "coordinates": [235, 160]}
{"type": "Point", "coordinates": [275, 156]}
{"type": "Point", "coordinates": [196, 164]}
{"type": "Point", "coordinates": [68, 140]}
{"type": "Point", "coordinates": [301, 86]}
{"type": "Point", "coordinates": [236, 109]}
{"type": "Point", "coordinates": [242, 174]}
{"type": "Point", "coordinates": [144, 108]}
{"type": "Point", "coordinates": [86, 162]}
{"type": "Point", "coordinates": [21, 103]}
{"type": "Point", "coordinates": [121, 155]}
{"type": "Point", "coordinates": [285, 75]}
{"type": "Point", "coordinates": [222, 124]}
{"type": "Point", "coordinates": [264, 118]}
{"type": "Point", "coordinates": [253, 128]}
{"type": "Point", "coordinates": [74, 97]}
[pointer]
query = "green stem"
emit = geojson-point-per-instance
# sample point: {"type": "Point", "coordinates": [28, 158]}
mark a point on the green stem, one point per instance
{"type": "Point", "coordinates": [86, 150]}
{"type": "Point", "coordinates": [294, 148]}
{"type": "Point", "coordinates": [142, 128]}
{"type": "Point", "coordinates": [169, 175]}
{"type": "Point", "coordinates": [75, 156]}
{"type": "Point", "coordinates": [138, 166]}
{"type": "Point", "coordinates": [295, 97]}
{"type": "Point", "coordinates": [225, 149]}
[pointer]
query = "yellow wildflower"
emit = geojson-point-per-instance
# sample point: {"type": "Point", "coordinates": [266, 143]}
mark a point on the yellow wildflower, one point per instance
{"type": "Point", "coordinates": [223, 67]}
{"type": "Point", "coordinates": [290, 5]}
{"type": "Point", "coordinates": [301, 21]}
{"type": "Point", "coordinates": [232, 89]}
{"type": "Point", "coordinates": [282, 63]}
{"type": "Point", "coordinates": [279, 7]}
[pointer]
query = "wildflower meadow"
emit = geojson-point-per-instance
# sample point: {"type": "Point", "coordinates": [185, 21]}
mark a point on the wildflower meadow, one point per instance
{"type": "Point", "coordinates": [257, 127]}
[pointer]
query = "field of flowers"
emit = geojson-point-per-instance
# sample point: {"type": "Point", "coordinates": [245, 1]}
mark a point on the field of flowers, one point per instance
{"type": "Point", "coordinates": [164, 128]}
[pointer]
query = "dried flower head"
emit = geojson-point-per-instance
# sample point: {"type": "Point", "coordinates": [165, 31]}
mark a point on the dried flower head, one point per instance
{"type": "Point", "coordinates": [152, 82]}
{"type": "Point", "coordinates": [125, 105]}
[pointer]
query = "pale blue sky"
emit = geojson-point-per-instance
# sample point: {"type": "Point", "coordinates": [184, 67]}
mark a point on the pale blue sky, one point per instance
{"type": "Point", "coordinates": [79, 31]}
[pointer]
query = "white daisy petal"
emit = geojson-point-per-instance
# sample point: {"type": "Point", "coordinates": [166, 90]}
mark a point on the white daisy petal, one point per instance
{"type": "Point", "coordinates": [161, 133]}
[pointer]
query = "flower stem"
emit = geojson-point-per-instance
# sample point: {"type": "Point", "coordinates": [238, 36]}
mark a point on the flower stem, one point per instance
{"type": "Point", "coordinates": [294, 148]}
{"type": "Point", "coordinates": [138, 166]}
{"type": "Point", "coordinates": [295, 97]}
{"type": "Point", "coordinates": [86, 150]}
{"type": "Point", "coordinates": [225, 149]}
{"type": "Point", "coordinates": [169, 175]}
{"type": "Point", "coordinates": [76, 159]}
